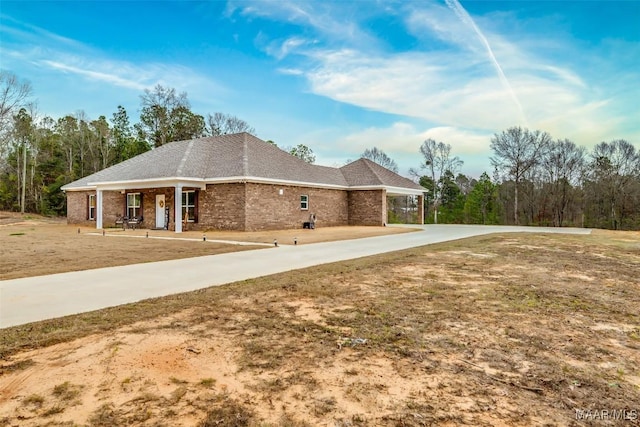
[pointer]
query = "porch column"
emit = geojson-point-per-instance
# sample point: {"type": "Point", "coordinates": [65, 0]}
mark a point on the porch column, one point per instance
{"type": "Point", "coordinates": [385, 214]}
{"type": "Point", "coordinates": [421, 209]}
{"type": "Point", "coordinates": [99, 209]}
{"type": "Point", "coordinates": [178, 208]}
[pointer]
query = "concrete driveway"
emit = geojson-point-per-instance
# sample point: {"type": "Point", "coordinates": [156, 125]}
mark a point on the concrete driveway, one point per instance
{"type": "Point", "coordinates": [46, 297]}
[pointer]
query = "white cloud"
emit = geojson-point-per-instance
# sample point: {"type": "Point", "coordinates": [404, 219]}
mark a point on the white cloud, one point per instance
{"type": "Point", "coordinates": [291, 71]}
{"type": "Point", "coordinates": [281, 49]}
{"type": "Point", "coordinates": [400, 137]}
{"type": "Point", "coordinates": [35, 35]}
{"type": "Point", "coordinates": [455, 86]}
{"type": "Point", "coordinates": [463, 142]}
{"type": "Point", "coordinates": [58, 54]}
{"type": "Point", "coordinates": [403, 138]}
{"type": "Point", "coordinates": [401, 141]}
{"type": "Point", "coordinates": [95, 75]}
{"type": "Point", "coordinates": [436, 20]}
{"type": "Point", "coordinates": [334, 21]}
{"type": "Point", "coordinates": [454, 78]}
{"type": "Point", "coordinates": [415, 85]}
{"type": "Point", "coordinates": [135, 76]}
{"type": "Point", "coordinates": [459, 90]}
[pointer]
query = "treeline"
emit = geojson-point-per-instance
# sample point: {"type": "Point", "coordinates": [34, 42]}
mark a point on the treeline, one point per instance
{"type": "Point", "coordinates": [536, 180]}
{"type": "Point", "coordinates": [39, 154]}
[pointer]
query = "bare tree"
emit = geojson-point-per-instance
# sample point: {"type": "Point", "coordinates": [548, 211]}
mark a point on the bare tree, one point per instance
{"type": "Point", "coordinates": [159, 106]}
{"type": "Point", "coordinates": [223, 124]}
{"type": "Point", "coordinates": [23, 131]}
{"type": "Point", "coordinates": [102, 143]}
{"type": "Point", "coordinates": [612, 183]}
{"type": "Point", "coordinates": [83, 140]}
{"type": "Point", "coordinates": [67, 128]}
{"type": "Point", "coordinates": [562, 166]}
{"type": "Point", "coordinates": [516, 152]}
{"type": "Point", "coordinates": [437, 161]}
{"type": "Point", "coordinates": [13, 96]}
{"type": "Point", "coordinates": [380, 157]}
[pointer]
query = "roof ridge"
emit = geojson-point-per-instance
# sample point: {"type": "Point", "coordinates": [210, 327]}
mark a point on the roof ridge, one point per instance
{"type": "Point", "coordinates": [183, 161]}
{"type": "Point", "coordinates": [245, 154]}
{"type": "Point", "coordinates": [367, 162]}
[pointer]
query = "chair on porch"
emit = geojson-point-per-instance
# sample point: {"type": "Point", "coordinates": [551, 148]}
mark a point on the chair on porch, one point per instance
{"type": "Point", "coordinates": [122, 221]}
{"type": "Point", "coordinates": [135, 222]}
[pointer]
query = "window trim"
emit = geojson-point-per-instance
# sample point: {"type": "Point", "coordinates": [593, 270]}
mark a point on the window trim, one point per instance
{"type": "Point", "coordinates": [136, 209]}
{"type": "Point", "coordinates": [185, 205]}
{"type": "Point", "coordinates": [304, 202]}
{"type": "Point", "coordinates": [91, 210]}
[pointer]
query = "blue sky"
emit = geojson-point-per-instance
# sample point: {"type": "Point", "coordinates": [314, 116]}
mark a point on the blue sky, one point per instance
{"type": "Point", "coordinates": [343, 76]}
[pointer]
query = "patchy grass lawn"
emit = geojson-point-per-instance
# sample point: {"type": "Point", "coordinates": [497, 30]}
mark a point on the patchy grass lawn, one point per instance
{"type": "Point", "coordinates": [32, 245]}
{"type": "Point", "coordinates": [493, 330]}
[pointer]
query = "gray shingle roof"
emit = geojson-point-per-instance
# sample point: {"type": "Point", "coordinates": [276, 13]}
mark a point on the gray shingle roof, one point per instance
{"type": "Point", "coordinates": [364, 172]}
{"type": "Point", "coordinates": [239, 155]}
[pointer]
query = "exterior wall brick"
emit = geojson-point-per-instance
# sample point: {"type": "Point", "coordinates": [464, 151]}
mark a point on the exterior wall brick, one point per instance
{"type": "Point", "coordinates": [113, 204]}
{"type": "Point", "coordinates": [367, 207]}
{"type": "Point", "coordinates": [245, 207]}
{"type": "Point", "coordinates": [221, 207]}
{"type": "Point", "coordinates": [77, 208]}
{"type": "Point", "coordinates": [267, 209]}
{"type": "Point", "coordinates": [149, 205]}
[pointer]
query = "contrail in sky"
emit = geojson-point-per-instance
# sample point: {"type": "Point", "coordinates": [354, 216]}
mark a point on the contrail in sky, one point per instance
{"type": "Point", "coordinates": [467, 20]}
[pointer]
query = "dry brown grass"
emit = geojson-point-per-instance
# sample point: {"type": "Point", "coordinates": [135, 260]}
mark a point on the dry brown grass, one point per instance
{"type": "Point", "coordinates": [494, 330]}
{"type": "Point", "coordinates": [32, 245]}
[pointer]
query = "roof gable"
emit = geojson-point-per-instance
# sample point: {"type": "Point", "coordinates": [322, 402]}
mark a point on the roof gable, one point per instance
{"type": "Point", "coordinates": [364, 172]}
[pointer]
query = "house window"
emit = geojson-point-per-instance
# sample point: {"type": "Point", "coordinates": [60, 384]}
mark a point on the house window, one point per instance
{"type": "Point", "coordinates": [304, 203]}
{"type": "Point", "coordinates": [189, 206]}
{"type": "Point", "coordinates": [92, 206]}
{"type": "Point", "coordinates": [134, 201]}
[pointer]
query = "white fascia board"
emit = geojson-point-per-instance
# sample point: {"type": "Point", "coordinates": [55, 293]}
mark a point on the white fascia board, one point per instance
{"type": "Point", "coordinates": [83, 188]}
{"type": "Point", "coordinates": [201, 183]}
{"type": "Point", "coordinates": [405, 191]}
{"type": "Point", "coordinates": [401, 191]}
{"type": "Point", "coordinates": [258, 180]}
{"type": "Point", "coordinates": [150, 183]}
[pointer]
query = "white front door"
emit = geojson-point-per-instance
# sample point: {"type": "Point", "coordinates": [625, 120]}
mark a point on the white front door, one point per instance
{"type": "Point", "coordinates": [160, 211]}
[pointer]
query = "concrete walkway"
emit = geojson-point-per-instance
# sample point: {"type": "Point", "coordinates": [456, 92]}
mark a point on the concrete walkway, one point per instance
{"type": "Point", "coordinates": [45, 297]}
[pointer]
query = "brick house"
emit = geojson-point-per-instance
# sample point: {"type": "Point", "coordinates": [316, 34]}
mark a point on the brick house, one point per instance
{"type": "Point", "coordinates": [234, 182]}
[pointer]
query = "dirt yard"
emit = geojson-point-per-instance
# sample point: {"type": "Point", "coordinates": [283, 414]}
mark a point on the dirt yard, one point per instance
{"type": "Point", "coordinates": [31, 245]}
{"type": "Point", "coordinates": [502, 330]}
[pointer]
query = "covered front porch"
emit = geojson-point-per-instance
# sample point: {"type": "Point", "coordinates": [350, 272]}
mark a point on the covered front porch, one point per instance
{"type": "Point", "coordinates": [151, 205]}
